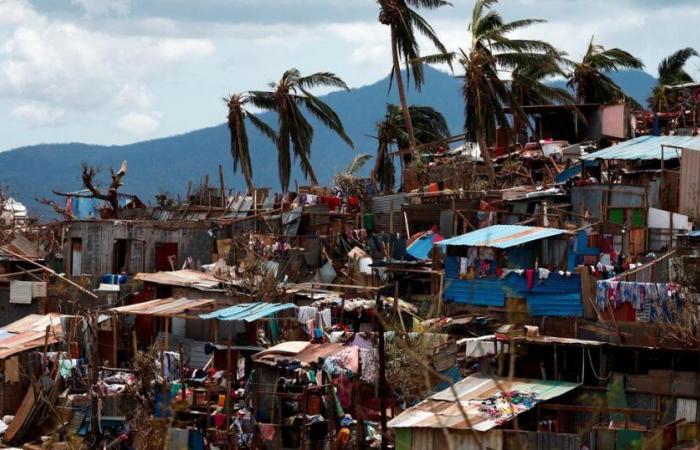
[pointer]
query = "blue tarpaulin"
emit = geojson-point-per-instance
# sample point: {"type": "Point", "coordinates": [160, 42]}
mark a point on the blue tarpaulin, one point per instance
{"type": "Point", "coordinates": [82, 207]}
{"type": "Point", "coordinates": [421, 247]}
{"type": "Point", "coordinates": [249, 312]}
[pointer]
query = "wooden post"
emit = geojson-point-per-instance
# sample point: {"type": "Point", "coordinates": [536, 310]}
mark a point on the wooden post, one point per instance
{"type": "Point", "coordinates": [556, 363]}
{"type": "Point", "coordinates": [114, 341]}
{"type": "Point", "coordinates": [93, 375]}
{"type": "Point", "coordinates": [229, 382]}
{"type": "Point", "coordinates": [163, 348]}
{"type": "Point", "coordinates": [134, 342]}
{"type": "Point", "coordinates": [181, 351]}
{"type": "Point", "coordinates": [46, 348]}
{"type": "Point", "coordinates": [382, 368]}
{"type": "Point", "coordinates": [222, 187]}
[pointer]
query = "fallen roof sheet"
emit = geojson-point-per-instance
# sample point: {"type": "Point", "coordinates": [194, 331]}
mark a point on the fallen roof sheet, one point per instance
{"type": "Point", "coordinates": [29, 333]}
{"type": "Point", "coordinates": [166, 307]}
{"type": "Point", "coordinates": [502, 236]}
{"type": "Point", "coordinates": [185, 278]}
{"type": "Point", "coordinates": [249, 312]}
{"type": "Point", "coordinates": [300, 351]}
{"type": "Point", "coordinates": [443, 410]}
{"type": "Point", "coordinates": [647, 148]}
{"type": "Point", "coordinates": [23, 247]}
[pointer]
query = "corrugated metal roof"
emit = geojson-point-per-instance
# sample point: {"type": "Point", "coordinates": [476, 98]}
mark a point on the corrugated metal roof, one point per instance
{"type": "Point", "coordinates": [442, 409]}
{"type": "Point", "coordinates": [186, 278]}
{"type": "Point", "coordinates": [29, 333]}
{"type": "Point", "coordinates": [166, 307]}
{"type": "Point", "coordinates": [249, 312]}
{"type": "Point", "coordinates": [502, 236]}
{"type": "Point", "coordinates": [646, 147]}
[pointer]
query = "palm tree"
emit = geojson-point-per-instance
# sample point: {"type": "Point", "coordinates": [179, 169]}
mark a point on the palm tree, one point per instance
{"type": "Point", "coordinates": [405, 24]}
{"type": "Point", "coordinates": [589, 78]}
{"type": "Point", "coordinates": [528, 81]}
{"type": "Point", "coordinates": [670, 72]}
{"type": "Point", "coordinates": [237, 114]}
{"type": "Point", "coordinates": [486, 93]}
{"type": "Point", "coordinates": [295, 133]}
{"type": "Point", "coordinates": [429, 127]}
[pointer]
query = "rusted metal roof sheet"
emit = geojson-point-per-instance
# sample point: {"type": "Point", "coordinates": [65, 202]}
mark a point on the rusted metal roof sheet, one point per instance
{"type": "Point", "coordinates": [166, 307]}
{"type": "Point", "coordinates": [463, 412]}
{"type": "Point", "coordinates": [301, 351]}
{"type": "Point", "coordinates": [21, 246]}
{"type": "Point", "coordinates": [29, 333]}
{"type": "Point", "coordinates": [186, 278]}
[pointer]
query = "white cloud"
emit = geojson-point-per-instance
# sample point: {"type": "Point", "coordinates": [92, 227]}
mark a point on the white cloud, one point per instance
{"type": "Point", "coordinates": [38, 114]}
{"type": "Point", "coordinates": [77, 68]}
{"type": "Point", "coordinates": [133, 96]}
{"type": "Point", "coordinates": [17, 11]}
{"type": "Point", "coordinates": [138, 124]}
{"type": "Point", "coordinates": [97, 8]}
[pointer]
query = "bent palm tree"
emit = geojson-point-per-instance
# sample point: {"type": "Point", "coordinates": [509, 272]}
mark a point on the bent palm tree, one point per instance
{"type": "Point", "coordinates": [295, 134]}
{"type": "Point", "coordinates": [404, 24]}
{"type": "Point", "coordinates": [589, 79]}
{"type": "Point", "coordinates": [240, 152]}
{"type": "Point", "coordinates": [429, 126]}
{"type": "Point", "coordinates": [489, 53]}
{"type": "Point", "coordinates": [671, 72]}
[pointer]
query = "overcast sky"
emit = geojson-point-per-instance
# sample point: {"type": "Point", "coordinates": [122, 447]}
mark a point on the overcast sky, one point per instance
{"type": "Point", "coordinates": [119, 71]}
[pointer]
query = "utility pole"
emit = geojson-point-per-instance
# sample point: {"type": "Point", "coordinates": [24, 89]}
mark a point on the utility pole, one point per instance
{"type": "Point", "coordinates": [382, 366]}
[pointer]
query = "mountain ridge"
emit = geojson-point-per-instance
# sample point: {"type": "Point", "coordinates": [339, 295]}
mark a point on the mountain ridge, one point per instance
{"type": "Point", "coordinates": [168, 163]}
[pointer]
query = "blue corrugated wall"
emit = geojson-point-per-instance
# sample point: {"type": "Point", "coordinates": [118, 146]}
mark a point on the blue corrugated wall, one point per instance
{"type": "Point", "coordinates": [558, 295]}
{"type": "Point", "coordinates": [479, 291]}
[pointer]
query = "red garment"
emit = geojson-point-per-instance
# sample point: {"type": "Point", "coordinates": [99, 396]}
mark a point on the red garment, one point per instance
{"type": "Point", "coordinates": [353, 202]}
{"type": "Point", "coordinates": [530, 278]}
{"type": "Point", "coordinates": [332, 202]}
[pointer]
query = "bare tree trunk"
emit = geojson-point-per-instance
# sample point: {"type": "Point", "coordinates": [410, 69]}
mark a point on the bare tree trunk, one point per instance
{"type": "Point", "coordinates": [246, 169]}
{"type": "Point", "coordinates": [404, 102]}
{"type": "Point", "coordinates": [486, 155]}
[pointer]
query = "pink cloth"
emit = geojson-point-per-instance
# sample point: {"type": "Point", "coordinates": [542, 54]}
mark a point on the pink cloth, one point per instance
{"type": "Point", "coordinates": [349, 358]}
{"type": "Point", "coordinates": [267, 431]}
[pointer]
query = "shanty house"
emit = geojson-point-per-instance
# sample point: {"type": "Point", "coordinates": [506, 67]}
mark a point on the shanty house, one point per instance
{"type": "Point", "coordinates": [17, 340]}
{"type": "Point", "coordinates": [479, 416]}
{"type": "Point", "coordinates": [98, 247]}
{"type": "Point", "coordinates": [650, 195]}
{"type": "Point", "coordinates": [492, 264]}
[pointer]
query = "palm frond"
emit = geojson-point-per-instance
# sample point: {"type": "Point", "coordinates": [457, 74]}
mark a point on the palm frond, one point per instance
{"type": "Point", "coordinates": [357, 163]}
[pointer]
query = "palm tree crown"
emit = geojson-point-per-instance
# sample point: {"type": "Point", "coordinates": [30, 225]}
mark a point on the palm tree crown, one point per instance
{"type": "Point", "coordinates": [405, 25]}
{"type": "Point", "coordinates": [671, 71]}
{"type": "Point", "coordinates": [430, 126]}
{"type": "Point", "coordinates": [237, 114]}
{"type": "Point", "coordinates": [589, 78]}
{"type": "Point", "coordinates": [491, 53]}
{"type": "Point", "coordinates": [295, 134]}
